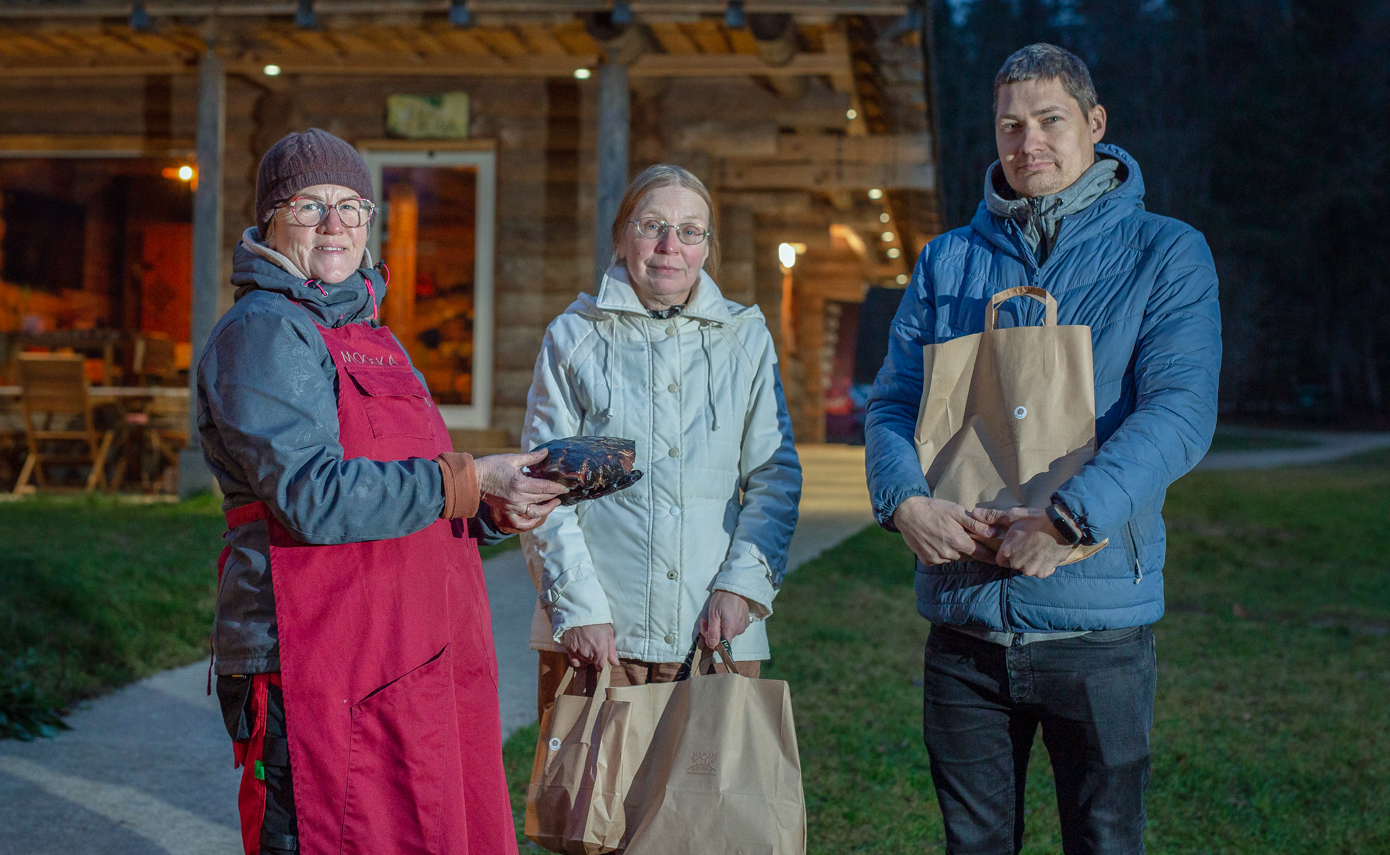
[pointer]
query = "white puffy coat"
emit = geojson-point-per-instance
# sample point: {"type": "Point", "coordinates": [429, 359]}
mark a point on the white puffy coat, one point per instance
{"type": "Point", "coordinates": [715, 509]}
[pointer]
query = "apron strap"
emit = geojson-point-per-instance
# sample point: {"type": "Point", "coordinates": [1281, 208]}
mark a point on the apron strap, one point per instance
{"type": "Point", "coordinates": [247, 513]}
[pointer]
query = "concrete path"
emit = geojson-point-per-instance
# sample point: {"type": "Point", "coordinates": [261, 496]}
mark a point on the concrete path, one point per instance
{"type": "Point", "coordinates": [1322, 448]}
{"type": "Point", "coordinates": [147, 770]}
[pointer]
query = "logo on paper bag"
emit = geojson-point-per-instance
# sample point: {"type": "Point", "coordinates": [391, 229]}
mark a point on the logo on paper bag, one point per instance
{"type": "Point", "coordinates": [703, 763]}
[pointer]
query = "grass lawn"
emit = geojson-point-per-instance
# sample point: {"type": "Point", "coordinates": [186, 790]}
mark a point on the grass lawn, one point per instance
{"type": "Point", "coordinates": [96, 592]}
{"type": "Point", "coordinates": [1272, 731]}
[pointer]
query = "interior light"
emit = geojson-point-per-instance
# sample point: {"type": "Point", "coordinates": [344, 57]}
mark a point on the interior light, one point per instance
{"type": "Point", "coordinates": [894, 252]}
{"type": "Point", "coordinates": [902, 278]}
{"type": "Point", "coordinates": [875, 194]}
{"type": "Point", "coordinates": [271, 71]}
{"type": "Point", "coordinates": [883, 218]}
{"type": "Point", "coordinates": [887, 237]}
{"type": "Point", "coordinates": [851, 114]}
{"type": "Point", "coordinates": [582, 74]}
{"type": "Point", "coordinates": [185, 173]}
{"type": "Point", "coordinates": [786, 253]}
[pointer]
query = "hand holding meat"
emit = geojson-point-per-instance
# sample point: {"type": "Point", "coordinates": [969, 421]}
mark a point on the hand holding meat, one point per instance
{"type": "Point", "coordinates": [519, 501]}
{"type": "Point", "coordinates": [590, 466]}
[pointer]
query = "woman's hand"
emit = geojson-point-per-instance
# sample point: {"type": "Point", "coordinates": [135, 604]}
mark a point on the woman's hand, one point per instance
{"type": "Point", "coordinates": [520, 502]}
{"type": "Point", "coordinates": [591, 645]}
{"type": "Point", "coordinates": [726, 616]}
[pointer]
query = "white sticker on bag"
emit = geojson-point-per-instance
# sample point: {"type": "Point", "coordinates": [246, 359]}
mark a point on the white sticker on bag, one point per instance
{"type": "Point", "coordinates": [1020, 412]}
{"type": "Point", "coordinates": [554, 743]}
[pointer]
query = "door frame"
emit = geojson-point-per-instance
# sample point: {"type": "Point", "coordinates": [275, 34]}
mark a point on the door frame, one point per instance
{"type": "Point", "coordinates": [483, 158]}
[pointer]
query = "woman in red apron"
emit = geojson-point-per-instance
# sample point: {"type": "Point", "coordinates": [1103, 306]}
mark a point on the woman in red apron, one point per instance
{"type": "Point", "coordinates": [353, 641]}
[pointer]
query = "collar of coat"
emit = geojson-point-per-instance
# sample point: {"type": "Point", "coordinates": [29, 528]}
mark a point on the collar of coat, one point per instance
{"type": "Point", "coordinates": [706, 303]}
{"type": "Point", "coordinates": [257, 267]}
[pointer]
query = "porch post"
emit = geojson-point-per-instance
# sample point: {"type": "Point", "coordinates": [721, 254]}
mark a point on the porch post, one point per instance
{"type": "Point", "coordinates": [612, 158]}
{"type": "Point", "coordinates": [194, 476]}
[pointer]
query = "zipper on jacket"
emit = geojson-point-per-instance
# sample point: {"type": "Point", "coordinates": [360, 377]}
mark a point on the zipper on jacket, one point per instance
{"type": "Point", "coordinates": [1134, 550]}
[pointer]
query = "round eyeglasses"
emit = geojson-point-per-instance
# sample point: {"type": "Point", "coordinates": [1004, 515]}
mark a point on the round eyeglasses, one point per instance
{"type": "Point", "coordinates": [653, 228]}
{"type": "Point", "coordinates": [311, 212]}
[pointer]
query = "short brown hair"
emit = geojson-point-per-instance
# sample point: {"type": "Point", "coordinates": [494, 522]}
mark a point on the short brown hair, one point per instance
{"type": "Point", "coordinates": [1043, 61]}
{"type": "Point", "coordinates": [654, 178]}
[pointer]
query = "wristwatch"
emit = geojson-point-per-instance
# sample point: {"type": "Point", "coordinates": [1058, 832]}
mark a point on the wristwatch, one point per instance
{"type": "Point", "coordinates": [1066, 526]}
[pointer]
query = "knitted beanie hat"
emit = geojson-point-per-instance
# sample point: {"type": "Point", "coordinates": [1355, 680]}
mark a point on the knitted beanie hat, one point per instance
{"type": "Point", "coordinates": [303, 160]}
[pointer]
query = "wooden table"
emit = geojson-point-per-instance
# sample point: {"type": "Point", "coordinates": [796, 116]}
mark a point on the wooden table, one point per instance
{"type": "Point", "coordinates": [132, 426]}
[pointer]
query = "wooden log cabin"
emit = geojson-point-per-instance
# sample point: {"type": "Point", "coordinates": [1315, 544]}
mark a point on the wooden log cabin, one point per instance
{"type": "Point", "coordinates": [501, 134]}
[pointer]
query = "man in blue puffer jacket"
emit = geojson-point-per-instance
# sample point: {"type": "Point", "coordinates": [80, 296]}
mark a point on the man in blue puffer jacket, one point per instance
{"type": "Point", "coordinates": [1016, 640]}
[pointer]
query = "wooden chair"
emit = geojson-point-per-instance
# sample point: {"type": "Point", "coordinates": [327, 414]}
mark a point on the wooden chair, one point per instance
{"type": "Point", "coordinates": [152, 361]}
{"type": "Point", "coordinates": [55, 394]}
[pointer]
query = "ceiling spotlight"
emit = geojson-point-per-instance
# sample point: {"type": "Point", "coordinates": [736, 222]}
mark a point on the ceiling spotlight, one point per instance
{"type": "Point", "coordinates": [582, 74]}
{"type": "Point", "coordinates": [875, 194]}
{"type": "Point", "coordinates": [894, 252]}
{"type": "Point", "coordinates": [883, 218]}
{"type": "Point", "coordinates": [902, 279]}
{"type": "Point", "coordinates": [786, 253]}
{"type": "Point", "coordinates": [851, 114]}
{"type": "Point", "coordinates": [887, 237]}
{"type": "Point", "coordinates": [271, 71]}
{"type": "Point", "coordinates": [459, 15]}
{"type": "Point", "coordinates": [734, 16]}
{"type": "Point", "coordinates": [185, 173]}
{"type": "Point", "coordinates": [304, 17]}
{"type": "Point", "coordinates": [139, 18]}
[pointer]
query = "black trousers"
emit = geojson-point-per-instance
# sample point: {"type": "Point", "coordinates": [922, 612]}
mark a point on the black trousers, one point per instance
{"type": "Point", "coordinates": [1093, 696]}
{"type": "Point", "coordinates": [279, 827]}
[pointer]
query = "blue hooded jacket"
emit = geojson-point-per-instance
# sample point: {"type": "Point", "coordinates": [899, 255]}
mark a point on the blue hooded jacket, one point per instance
{"type": "Point", "coordinates": [1146, 286]}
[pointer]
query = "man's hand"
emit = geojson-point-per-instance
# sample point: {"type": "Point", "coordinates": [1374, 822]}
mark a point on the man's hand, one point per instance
{"type": "Point", "coordinates": [1032, 545]}
{"type": "Point", "coordinates": [591, 645]}
{"type": "Point", "coordinates": [939, 531]}
{"type": "Point", "coordinates": [726, 616]}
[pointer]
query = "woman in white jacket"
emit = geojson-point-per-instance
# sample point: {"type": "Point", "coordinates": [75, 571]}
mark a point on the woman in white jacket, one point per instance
{"type": "Point", "coordinates": [699, 545]}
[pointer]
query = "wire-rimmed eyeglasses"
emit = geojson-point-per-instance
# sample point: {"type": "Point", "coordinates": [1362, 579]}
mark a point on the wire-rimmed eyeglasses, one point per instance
{"type": "Point", "coordinates": [654, 228]}
{"type": "Point", "coordinates": [308, 211]}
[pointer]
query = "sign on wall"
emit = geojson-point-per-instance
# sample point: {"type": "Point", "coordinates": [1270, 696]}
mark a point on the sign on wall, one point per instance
{"type": "Point", "coordinates": [435, 117]}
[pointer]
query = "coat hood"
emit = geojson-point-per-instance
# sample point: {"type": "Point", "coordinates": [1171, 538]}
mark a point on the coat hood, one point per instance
{"type": "Point", "coordinates": [257, 267]}
{"type": "Point", "coordinates": [1118, 203]}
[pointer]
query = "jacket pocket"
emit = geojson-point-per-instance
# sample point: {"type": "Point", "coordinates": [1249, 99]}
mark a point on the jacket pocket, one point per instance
{"type": "Point", "coordinates": [396, 763]}
{"type": "Point", "coordinates": [395, 401]}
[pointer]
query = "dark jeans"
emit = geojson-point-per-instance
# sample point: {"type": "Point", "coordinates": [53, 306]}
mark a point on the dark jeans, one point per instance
{"type": "Point", "coordinates": [1093, 696]}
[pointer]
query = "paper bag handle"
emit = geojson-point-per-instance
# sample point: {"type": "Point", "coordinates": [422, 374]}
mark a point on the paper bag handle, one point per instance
{"type": "Point", "coordinates": [605, 676]}
{"type": "Point", "coordinates": [1039, 294]}
{"type": "Point", "coordinates": [690, 667]}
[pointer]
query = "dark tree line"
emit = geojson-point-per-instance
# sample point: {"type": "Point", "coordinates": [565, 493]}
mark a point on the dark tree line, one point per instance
{"type": "Point", "coordinates": [1264, 123]}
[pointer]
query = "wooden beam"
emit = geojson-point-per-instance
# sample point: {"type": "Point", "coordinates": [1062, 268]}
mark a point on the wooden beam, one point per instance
{"type": "Point", "coordinates": [672, 38]}
{"type": "Point", "coordinates": [101, 145]}
{"type": "Point", "coordinates": [732, 65]}
{"type": "Point", "coordinates": [80, 9]}
{"type": "Point", "coordinates": [541, 41]}
{"type": "Point", "coordinates": [502, 42]}
{"type": "Point", "coordinates": [823, 178]}
{"type": "Point", "coordinates": [709, 36]}
{"type": "Point", "coordinates": [877, 148]}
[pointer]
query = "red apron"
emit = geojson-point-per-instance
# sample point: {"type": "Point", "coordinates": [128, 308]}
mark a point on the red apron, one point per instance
{"type": "Point", "coordinates": [386, 656]}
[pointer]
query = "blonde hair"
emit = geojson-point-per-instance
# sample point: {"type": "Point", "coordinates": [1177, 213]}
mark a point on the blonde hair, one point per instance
{"type": "Point", "coordinates": [654, 178]}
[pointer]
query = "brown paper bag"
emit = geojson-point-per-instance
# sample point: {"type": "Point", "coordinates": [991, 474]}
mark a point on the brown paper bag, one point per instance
{"type": "Point", "coordinates": [719, 770]}
{"type": "Point", "coordinates": [1008, 415]}
{"type": "Point", "coordinates": [574, 801]}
